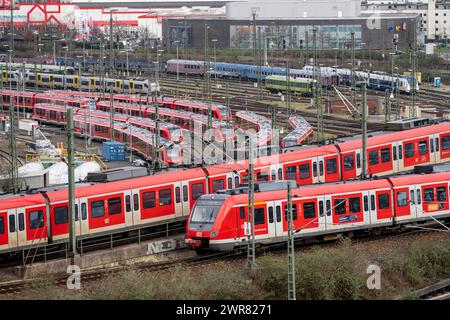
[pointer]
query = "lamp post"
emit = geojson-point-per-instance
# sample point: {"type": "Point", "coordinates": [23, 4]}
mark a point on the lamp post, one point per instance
{"type": "Point", "coordinates": [214, 41]}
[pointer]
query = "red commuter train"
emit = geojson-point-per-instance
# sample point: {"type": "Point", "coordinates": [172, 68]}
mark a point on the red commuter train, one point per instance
{"type": "Point", "coordinates": [217, 221]}
{"type": "Point", "coordinates": [166, 197]}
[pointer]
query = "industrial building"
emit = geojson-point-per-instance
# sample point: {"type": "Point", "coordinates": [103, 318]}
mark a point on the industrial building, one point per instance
{"type": "Point", "coordinates": [290, 24]}
{"type": "Point", "coordinates": [434, 16]}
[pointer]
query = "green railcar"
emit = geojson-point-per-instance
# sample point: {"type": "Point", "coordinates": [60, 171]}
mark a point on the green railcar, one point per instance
{"type": "Point", "coordinates": [280, 84]}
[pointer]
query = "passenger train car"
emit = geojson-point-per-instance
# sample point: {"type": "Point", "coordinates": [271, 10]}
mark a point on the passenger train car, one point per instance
{"type": "Point", "coordinates": [218, 221]}
{"type": "Point", "coordinates": [166, 197]}
{"type": "Point", "coordinates": [244, 71]}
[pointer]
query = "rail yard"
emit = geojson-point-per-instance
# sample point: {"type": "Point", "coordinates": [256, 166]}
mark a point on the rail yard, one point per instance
{"type": "Point", "coordinates": [250, 165]}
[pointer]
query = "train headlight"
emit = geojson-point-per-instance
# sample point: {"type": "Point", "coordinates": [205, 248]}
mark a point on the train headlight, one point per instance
{"type": "Point", "coordinates": [213, 234]}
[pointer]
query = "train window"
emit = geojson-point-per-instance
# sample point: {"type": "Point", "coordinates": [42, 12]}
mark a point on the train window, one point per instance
{"type": "Point", "coordinates": [314, 169]}
{"type": "Point", "coordinates": [409, 150]}
{"type": "Point", "coordinates": [21, 222]}
{"type": "Point", "coordinates": [185, 193]}
{"type": "Point", "coordinates": [148, 200]}
{"type": "Point", "coordinates": [218, 185]}
{"type": "Point", "coordinates": [383, 201]}
{"type": "Point", "coordinates": [280, 174]}
{"type": "Point", "coordinates": [259, 216]}
{"type": "Point", "coordinates": [230, 183]}
{"type": "Point", "coordinates": [423, 147]}
{"type": "Point", "coordinates": [97, 209]}
{"type": "Point", "coordinates": [2, 225]}
{"type": "Point", "coordinates": [428, 195]}
{"type": "Point", "coordinates": [320, 208]}
{"type": "Point", "coordinates": [358, 160]}
{"type": "Point", "coordinates": [270, 214]}
{"type": "Point", "coordinates": [83, 211]}
{"type": "Point", "coordinates": [400, 152]}
{"type": "Point", "coordinates": [76, 213]}
{"type": "Point", "coordinates": [12, 224]}
{"type": "Point", "coordinates": [309, 210]}
{"type": "Point", "coordinates": [354, 204]}
{"type": "Point", "coordinates": [291, 173]}
{"type": "Point", "coordinates": [437, 144]}
{"type": "Point", "coordinates": [321, 168]}
{"type": "Point", "coordinates": [385, 155]}
{"type": "Point", "coordinates": [278, 212]}
{"type": "Point", "coordinates": [445, 143]}
{"type": "Point", "coordinates": [177, 194]}
{"type": "Point", "coordinates": [394, 152]}
{"type": "Point", "coordinates": [127, 203]}
{"type": "Point", "coordinates": [339, 206]}
{"type": "Point", "coordinates": [262, 176]}
{"type": "Point", "coordinates": [36, 219]}
{"type": "Point", "coordinates": [419, 199]}
{"type": "Point", "coordinates": [61, 215]}
{"type": "Point", "coordinates": [441, 194]}
{"type": "Point", "coordinates": [197, 190]}
{"type": "Point", "coordinates": [136, 202]}
{"type": "Point", "coordinates": [305, 171]}
{"type": "Point", "coordinates": [402, 199]}
{"type": "Point", "coordinates": [431, 145]}
{"type": "Point", "coordinates": [348, 163]}
{"type": "Point", "coordinates": [242, 213]}
{"type": "Point", "coordinates": [114, 205]}
{"type": "Point", "coordinates": [373, 157]}
{"type": "Point", "coordinates": [331, 166]}
{"type": "Point", "coordinates": [165, 197]}
{"type": "Point", "coordinates": [328, 205]}
{"type": "Point", "coordinates": [294, 213]}
{"type": "Point", "coordinates": [412, 196]}
{"type": "Point", "coordinates": [366, 203]}
{"type": "Point", "coordinates": [372, 202]}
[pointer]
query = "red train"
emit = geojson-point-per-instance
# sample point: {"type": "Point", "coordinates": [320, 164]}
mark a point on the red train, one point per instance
{"type": "Point", "coordinates": [56, 114]}
{"type": "Point", "coordinates": [184, 119]}
{"type": "Point", "coordinates": [219, 111]}
{"type": "Point", "coordinates": [166, 197]}
{"type": "Point", "coordinates": [218, 221]}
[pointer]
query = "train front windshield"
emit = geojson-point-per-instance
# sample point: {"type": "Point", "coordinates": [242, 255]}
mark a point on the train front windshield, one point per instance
{"type": "Point", "coordinates": [205, 211]}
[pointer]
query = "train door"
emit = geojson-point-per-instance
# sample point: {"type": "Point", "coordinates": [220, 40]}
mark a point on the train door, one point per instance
{"type": "Point", "coordinates": [348, 166]}
{"type": "Point", "coordinates": [274, 219]}
{"type": "Point", "coordinates": [395, 158]}
{"type": "Point", "coordinates": [92, 84]}
{"type": "Point", "coordinates": [8, 228]}
{"type": "Point", "coordinates": [21, 230]}
{"type": "Point", "coordinates": [136, 207]}
{"type": "Point", "coordinates": [358, 162]}
{"type": "Point", "coordinates": [4, 76]}
{"type": "Point", "coordinates": [131, 87]}
{"type": "Point", "coordinates": [366, 208]}
{"type": "Point", "coordinates": [372, 206]}
{"type": "Point", "coordinates": [83, 221]}
{"type": "Point", "coordinates": [322, 217]}
{"type": "Point", "coordinates": [185, 197]}
{"type": "Point", "coordinates": [318, 170]}
{"type": "Point", "coordinates": [128, 208]}
{"type": "Point", "coordinates": [178, 200]}
{"type": "Point", "coordinates": [118, 87]}
{"type": "Point", "coordinates": [274, 169]}
{"type": "Point", "coordinates": [39, 79]}
{"type": "Point", "coordinates": [328, 213]}
{"type": "Point", "coordinates": [434, 149]}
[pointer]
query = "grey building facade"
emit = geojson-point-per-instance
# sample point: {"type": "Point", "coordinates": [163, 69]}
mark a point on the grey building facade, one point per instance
{"type": "Point", "coordinates": [371, 32]}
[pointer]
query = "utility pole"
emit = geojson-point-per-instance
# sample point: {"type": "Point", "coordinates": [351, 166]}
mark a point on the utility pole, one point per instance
{"type": "Point", "coordinates": [254, 41]}
{"type": "Point", "coordinates": [364, 131]}
{"type": "Point", "coordinates": [251, 263]}
{"type": "Point", "coordinates": [413, 112]}
{"type": "Point", "coordinates": [397, 92]}
{"type": "Point", "coordinates": [111, 114]}
{"type": "Point", "coordinates": [274, 116]}
{"type": "Point", "coordinates": [353, 69]}
{"type": "Point", "coordinates": [290, 246]}
{"type": "Point", "coordinates": [307, 47]}
{"type": "Point", "coordinates": [12, 134]}
{"type": "Point", "coordinates": [259, 66]}
{"type": "Point", "coordinates": [71, 166]}
{"type": "Point", "coordinates": [317, 90]}
{"type": "Point", "coordinates": [387, 106]}
{"type": "Point", "coordinates": [288, 92]}
{"type": "Point", "coordinates": [111, 44]}
{"type": "Point", "coordinates": [207, 80]}
{"type": "Point", "coordinates": [157, 163]}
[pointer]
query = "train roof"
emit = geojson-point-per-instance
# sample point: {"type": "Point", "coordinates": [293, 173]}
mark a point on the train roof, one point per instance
{"type": "Point", "coordinates": [118, 186]}
{"type": "Point", "coordinates": [26, 200]}
{"type": "Point", "coordinates": [424, 178]}
{"type": "Point", "coordinates": [395, 136]}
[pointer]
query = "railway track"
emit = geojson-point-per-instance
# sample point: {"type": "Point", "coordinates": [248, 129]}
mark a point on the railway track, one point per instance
{"type": "Point", "coordinates": [438, 292]}
{"type": "Point", "coordinates": [7, 156]}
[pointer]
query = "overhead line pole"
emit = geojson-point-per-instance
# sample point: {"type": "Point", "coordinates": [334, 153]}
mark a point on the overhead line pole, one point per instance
{"type": "Point", "coordinates": [317, 91]}
{"type": "Point", "coordinates": [12, 135]}
{"type": "Point", "coordinates": [290, 247]}
{"type": "Point", "coordinates": [71, 165]}
{"type": "Point", "coordinates": [353, 69]}
{"type": "Point", "coordinates": [413, 91]}
{"type": "Point", "coordinates": [251, 260]}
{"type": "Point", "coordinates": [364, 131]}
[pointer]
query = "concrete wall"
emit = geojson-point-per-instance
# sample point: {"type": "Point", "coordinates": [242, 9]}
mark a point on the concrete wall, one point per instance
{"type": "Point", "coordinates": [294, 9]}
